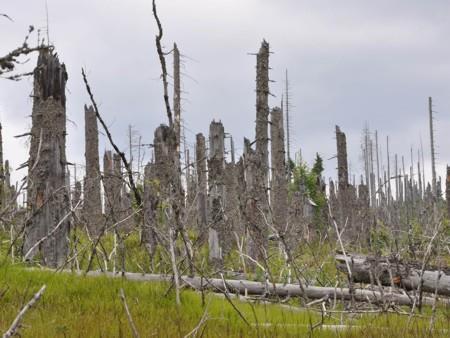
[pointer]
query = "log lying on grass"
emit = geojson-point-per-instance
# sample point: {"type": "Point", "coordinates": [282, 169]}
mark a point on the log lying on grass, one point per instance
{"type": "Point", "coordinates": [246, 287]}
{"type": "Point", "coordinates": [389, 271]}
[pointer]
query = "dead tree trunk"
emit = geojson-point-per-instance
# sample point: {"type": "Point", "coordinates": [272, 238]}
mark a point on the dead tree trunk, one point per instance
{"type": "Point", "coordinates": [202, 188]}
{"type": "Point", "coordinates": [262, 128]}
{"type": "Point", "coordinates": [216, 168]}
{"type": "Point", "coordinates": [433, 153]}
{"type": "Point", "coordinates": [92, 206]}
{"type": "Point", "coordinates": [112, 181]}
{"type": "Point", "coordinates": [344, 196]}
{"type": "Point", "coordinates": [48, 195]}
{"type": "Point", "coordinates": [278, 188]}
{"type": "Point", "coordinates": [256, 226]}
{"type": "Point", "coordinates": [262, 108]}
{"type": "Point", "coordinates": [150, 209]}
{"type": "Point", "coordinates": [407, 276]}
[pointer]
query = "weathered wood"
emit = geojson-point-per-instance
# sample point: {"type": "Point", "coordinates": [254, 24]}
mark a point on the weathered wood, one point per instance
{"type": "Point", "coordinates": [278, 187]}
{"type": "Point", "coordinates": [201, 160]}
{"type": "Point", "coordinates": [92, 204]}
{"type": "Point", "coordinates": [246, 287]}
{"type": "Point", "coordinates": [216, 194]}
{"type": "Point", "coordinates": [48, 193]}
{"type": "Point", "coordinates": [150, 200]}
{"type": "Point", "coordinates": [262, 108]}
{"type": "Point", "coordinates": [112, 185]}
{"type": "Point", "coordinates": [403, 275]}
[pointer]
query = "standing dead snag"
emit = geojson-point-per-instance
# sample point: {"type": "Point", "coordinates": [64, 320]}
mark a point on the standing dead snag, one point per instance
{"type": "Point", "coordinates": [262, 108]}
{"type": "Point", "coordinates": [48, 195]}
{"type": "Point", "coordinates": [344, 199]}
{"type": "Point", "coordinates": [92, 207]}
{"type": "Point", "coordinates": [433, 153]}
{"type": "Point", "coordinates": [216, 167]}
{"type": "Point", "coordinates": [278, 187]}
{"type": "Point", "coordinates": [150, 209]}
{"type": "Point", "coordinates": [177, 94]}
{"type": "Point", "coordinates": [112, 185]}
{"type": "Point", "coordinates": [202, 187]}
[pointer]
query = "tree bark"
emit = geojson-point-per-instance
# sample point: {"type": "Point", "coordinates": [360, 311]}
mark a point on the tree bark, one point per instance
{"type": "Point", "coordinates": [406, 276]}
{"type": "Point", "coordinates": [48, 193]}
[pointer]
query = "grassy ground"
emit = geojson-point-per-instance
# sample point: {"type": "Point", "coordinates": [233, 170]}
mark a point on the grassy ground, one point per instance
{"type": "Point", "coordinates": [90, 307]}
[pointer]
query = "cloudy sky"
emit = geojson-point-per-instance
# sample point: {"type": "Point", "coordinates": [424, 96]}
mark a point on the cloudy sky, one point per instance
{"type": "Point", "coordinates": [350, 62]}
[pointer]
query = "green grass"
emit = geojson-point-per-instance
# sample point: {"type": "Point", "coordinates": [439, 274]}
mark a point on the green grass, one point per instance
{"type": "Point", "coordinates": [90, 307]}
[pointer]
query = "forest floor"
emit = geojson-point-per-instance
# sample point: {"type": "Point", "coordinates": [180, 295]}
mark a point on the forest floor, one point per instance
{"type": "Point", "coordinates": [74, 306]}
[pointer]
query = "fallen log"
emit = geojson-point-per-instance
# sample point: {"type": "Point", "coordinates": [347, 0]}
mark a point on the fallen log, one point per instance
{"type": "Point", "coordinates": [246, 287]}
{"type": "Point", "coordinates": [394, 272]}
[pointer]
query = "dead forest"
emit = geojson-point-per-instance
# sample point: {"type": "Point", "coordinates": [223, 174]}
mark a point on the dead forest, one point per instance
{"type": "Point", "coordinates": [258, 225]}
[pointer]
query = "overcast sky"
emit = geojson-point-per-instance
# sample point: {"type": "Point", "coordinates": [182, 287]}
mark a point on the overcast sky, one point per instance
{"type": "Point", "coordinates": [351, 63]}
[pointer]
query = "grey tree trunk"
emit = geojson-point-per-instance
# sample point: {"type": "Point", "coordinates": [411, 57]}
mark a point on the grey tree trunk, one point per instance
{"type": "Point", "coordinates": [278, 188]}
{"type": "Point", "coordinates": [112, 182]}
{"type": "Point", "coordinates": [216, 171]}
{"type": "Point", "coordinates": [433, 153]}
{"type": "Point", "coordinates": [151, 188]}
{"type": "Point", "coordinates": [262, 111]}
{"type": "Point", "coordinates": [408, 276]}
{"type": "Point", "coordinates": [48, 195]}
{"type": "Point", "coordinates": [92, 204]}
{"type": "Point", "coordinates": [201, 159]}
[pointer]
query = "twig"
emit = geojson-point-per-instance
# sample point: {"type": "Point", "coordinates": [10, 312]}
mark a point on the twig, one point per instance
{"type": "Point", "coordinates": [16, 323]}
{"type": "Point", "coordinates": [200, 323]}
{"type": "Point", "coordinates": [130, 318]}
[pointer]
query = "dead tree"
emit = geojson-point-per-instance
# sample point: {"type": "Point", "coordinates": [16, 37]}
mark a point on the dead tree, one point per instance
{"type": "Point", "coordinates": [92, 206]}
{"type": "Point", "coordinates": [48, 195]}
{"type": "Point", "coordinates": [433, 153]}
{"type": "Point", "coordinates": [112, 185]}
{"type": "Point", "coordinates": [150, 200]}
{"type": "Point", "coordinates": [201, 186]}
{"type": "Point", "coordinates": [216, 168]}
{"type": "Point", "coordinates": [252, 203]}
{"type": "Point", "coordinates": [392, 272]}
{"type": "Point", "coordinates": [278, 187]}
{"type": "Point", "coordinates": [177, 94]}
{"type": "Point", "coordinates": [262, 110]}
{"type": "Point", "coordinates": [344, 196]}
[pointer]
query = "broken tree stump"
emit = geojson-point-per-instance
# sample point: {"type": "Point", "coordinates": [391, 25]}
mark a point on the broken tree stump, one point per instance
{"type": "Point", "coordinates": [48, 193]}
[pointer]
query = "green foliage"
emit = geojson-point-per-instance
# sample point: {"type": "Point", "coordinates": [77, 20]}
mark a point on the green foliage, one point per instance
{"type": "Point", "coordinates": [309, 179]}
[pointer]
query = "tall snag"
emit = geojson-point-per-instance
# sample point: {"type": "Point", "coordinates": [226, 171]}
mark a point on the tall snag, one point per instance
{"type": "Point", "coordinates": [216, 168]}
{"type": "Point", "coordinates": [344, 194]}
{"type": "Point", "coordinates": [48, 194]}
{"type": "Point", "coordinates": [278, 188]}
{"type": "Point", "coordinates": [92, 206]}
{"type": "Point", "coordinates": [202, 221]}
{"type": "Point", "coordinates": [262, 110]}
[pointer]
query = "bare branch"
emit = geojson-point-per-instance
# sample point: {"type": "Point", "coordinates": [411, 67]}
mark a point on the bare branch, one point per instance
{"type": "Point", "coordinates": [12, 331]}
{"type": "Point", "coordinates": [162, 60]}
